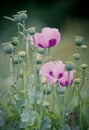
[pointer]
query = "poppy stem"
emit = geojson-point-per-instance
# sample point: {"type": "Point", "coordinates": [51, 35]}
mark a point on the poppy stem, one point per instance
{"type": "Point", "coordinates": [49, 53]}
{"type": "Point", "coordinates": [53, 97]}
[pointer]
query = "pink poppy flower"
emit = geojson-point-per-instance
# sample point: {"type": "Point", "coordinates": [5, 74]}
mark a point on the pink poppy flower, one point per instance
{"type": "Point", "coordinates": [59, 69]}
{"type": "Point", "coordinates": [48, 37]}
{"type": "Point", "coordinates": [52, 71]}
{"type": "Point", "coordinates": [64, 80]}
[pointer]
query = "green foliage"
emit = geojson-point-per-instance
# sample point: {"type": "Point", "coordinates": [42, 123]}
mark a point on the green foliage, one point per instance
{"type": "Point", "coordinates": [46, 124]}
{"type": "Point", "coordinates": [30, 102]}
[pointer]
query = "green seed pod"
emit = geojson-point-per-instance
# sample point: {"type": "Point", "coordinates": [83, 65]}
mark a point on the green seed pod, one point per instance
{"type": "Point", "coordinates": [78, 40]}
{"type": "Point", "coordinates": [32, 30]}
{"type": "Point", "coordinates": [61, 90]}
{"type": "Point", "coordinates": [69, 66]}
{"type": "Point", "coordinates": [84, 66]}
{"type": "Point", "coordinates": [15, 41]}
{"type": "Point", "coordinates": [8, 48]}
{"type": "Point", "coordinates": [47, 90]}
{"type": "Point", "coordinates": [22, 54]}
{"type": "Point", "coordinates": [76, 56]}
{"type": "Point", "coordinates": [39, 62]}
{"type": "Point", "coordinates": [77, 81]}
{"type": "Point", "coordinates": [84, 47]}
{"type": "Point", "coordinates": [22, 15]}
{"type": "Point", "coordinates": [40, 50]}
{"type": "Point", "coordinates": [17, 59]}
{"type": "Point", "coordinates": [17, 18]}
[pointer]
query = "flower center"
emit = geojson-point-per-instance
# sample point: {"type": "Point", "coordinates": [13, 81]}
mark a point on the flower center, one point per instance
{"type": "Point", "coordinates": [52, 42]}
{"type": "Point", "coordinates": [60, 75]}
{"type": "Point", "coordinates": [51, 73]}
{"type": "Point", "coordinates": [40, 45]}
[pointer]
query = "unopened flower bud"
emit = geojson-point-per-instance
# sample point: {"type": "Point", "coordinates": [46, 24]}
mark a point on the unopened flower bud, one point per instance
{"type": "Point", "coordinates": [17, 18]}
{"type": "Point", "coordinates": [69, 66]}
{"type": "Point", "coordinates": [40, 50]}
{"type": "Point", "coordinates": [77, 81]}
{"type": "Point", "coordinates": [15, 41]}
{"type": "Point", "coordinates": [17, 59]}
{"type": "Point", "coordinates": [84, 47]}
{"type": "Point", "coordinates": [84, 66]}
{"type": "Point", "coordinates": [22, 54]}
{"type": "Point", "coordinates": [61, 90]}
{"type": "Point", "coordinates": [76, 56]}
{"type": "Point", "coordinates": [32, 30]}
{"type": "Point", "coordinates": [47, 90]}
{"type": "Point", "coordinates": [22, 15]}
{"type": "Point", "coordinates": [8, 48]}
{"type": "Point", "coordinates": [78, 40]}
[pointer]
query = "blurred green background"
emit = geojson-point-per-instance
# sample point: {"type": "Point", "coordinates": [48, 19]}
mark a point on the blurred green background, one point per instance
{"type": "Point", "coordinates": [71, 17]}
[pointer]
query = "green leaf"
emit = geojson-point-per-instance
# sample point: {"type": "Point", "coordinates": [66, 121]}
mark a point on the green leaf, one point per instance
{"type": "Point", "coordinates": [28, 118]}
{"type": "Point", "coordinates": [46, 124]}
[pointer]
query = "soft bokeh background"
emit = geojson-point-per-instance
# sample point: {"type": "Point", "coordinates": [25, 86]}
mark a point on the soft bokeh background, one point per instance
{"type": "Point", "coordinates": [71, 17]}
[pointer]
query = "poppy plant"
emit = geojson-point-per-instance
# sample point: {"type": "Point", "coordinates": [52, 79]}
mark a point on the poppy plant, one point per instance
{"type": "Point", "coordinates": [48, 37]}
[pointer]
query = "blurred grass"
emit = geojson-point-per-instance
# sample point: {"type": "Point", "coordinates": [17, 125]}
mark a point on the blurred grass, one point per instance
{"type": "Point", "coordinates": [64, 51]}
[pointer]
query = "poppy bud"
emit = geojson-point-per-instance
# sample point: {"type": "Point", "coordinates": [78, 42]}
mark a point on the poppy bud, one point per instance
{"type": "Point", "coordinates": [61, 90]}
{"type": "Point", "coordinates": [32, 30]}
{"type": "Point", "coordinates": [78, 40]}
{"type": "Point", "coordinates": [22, 54]}
{"type": "Point", "coordinates": [22, 15]}
{"type": "Point", "coordinates": [47, 90]}
{"type": "Point", "coordinates": [76, 56]}
{"type": "Point", "coordinates": [8, 48]}
{"type": "Point", "coordinates": [17, 18]}
{"type": "Point", "coordinates": [84, 66]}
{"type": "Point", "coordinates": [40, 50]}
{"type": "Point", "coordinates": [69, 66]}
{"type": "Point", "coordinates": [15, 41]}
{"type": "Point", "coordinates": [77, 81]}
{"type": "Point", "coordinates": [84, 47]}
{"type": "Point", "coordinates": [17, 59]}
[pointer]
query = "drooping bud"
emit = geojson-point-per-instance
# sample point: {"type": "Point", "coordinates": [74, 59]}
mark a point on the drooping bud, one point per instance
{"type": "Point", "coordinates": [15, 41]}
{"type": "Point", "coordinates": [31, 30]}
{"type": "Point", "coordinates": [17, 18]}
{"type": "Point", "coordinates": [76, 56]}
{"type": "Point", "coordinates": [23, 15]}
{"type": "Point", "coordinates": [8, 48]}
{"type": "Point", "coordinates": [79, 40]}
{"type": "Point", "coordinates": [84, 66]}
